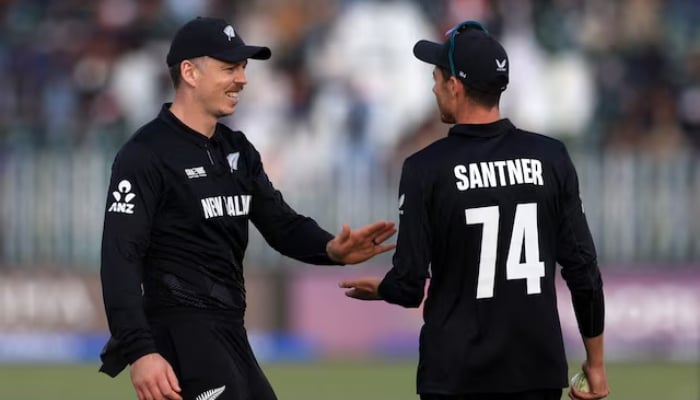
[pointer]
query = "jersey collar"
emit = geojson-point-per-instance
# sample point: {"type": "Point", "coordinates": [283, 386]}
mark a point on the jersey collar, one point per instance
{"type": "Point", "coordinates": [482, 130]}
{"type": "Point", "coordinates": [185, 131]}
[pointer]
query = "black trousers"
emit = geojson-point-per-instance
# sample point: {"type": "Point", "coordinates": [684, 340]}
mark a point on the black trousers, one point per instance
{"type": "Point", "coordinates": [212, 357]}
{"type": "Point", "coordinates": [544, 394]}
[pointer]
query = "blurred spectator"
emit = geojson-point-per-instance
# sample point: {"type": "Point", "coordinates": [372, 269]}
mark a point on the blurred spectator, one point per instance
{"type": "Point", "coordinates": [689, 99]}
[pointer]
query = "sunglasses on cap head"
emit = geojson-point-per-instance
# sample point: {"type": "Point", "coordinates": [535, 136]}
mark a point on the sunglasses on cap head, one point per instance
{"type": "Point", "coordinates": [452, 33]}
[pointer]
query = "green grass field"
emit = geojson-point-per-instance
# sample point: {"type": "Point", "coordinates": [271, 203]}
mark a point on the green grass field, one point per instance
{"type": "Point", "coordinates": [331, 381]}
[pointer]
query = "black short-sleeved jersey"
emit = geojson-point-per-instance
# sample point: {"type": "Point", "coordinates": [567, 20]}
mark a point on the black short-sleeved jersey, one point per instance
{"type": "Point", "coordinates": [490, 210]}
{"type": "Point", "coordinates": [176, 227]}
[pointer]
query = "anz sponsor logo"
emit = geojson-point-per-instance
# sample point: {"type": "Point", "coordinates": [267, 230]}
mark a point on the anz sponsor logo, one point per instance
{"type": "Point", "coordinates": [232, 206]}
{"type": "Point", "coordinates": [122, 197]}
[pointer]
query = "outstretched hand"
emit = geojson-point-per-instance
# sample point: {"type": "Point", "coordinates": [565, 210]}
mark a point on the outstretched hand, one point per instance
{"type": "Point", "coordinates": [358, 245]}
{"type": "Point", "coordinates": [362, 289]}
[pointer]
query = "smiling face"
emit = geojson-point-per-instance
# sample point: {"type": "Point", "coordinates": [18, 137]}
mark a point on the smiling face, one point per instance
{"type": "Point", "coordinates": [218, 84]}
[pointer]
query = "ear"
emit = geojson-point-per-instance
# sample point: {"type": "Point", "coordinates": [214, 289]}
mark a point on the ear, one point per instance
{"type": "Point", "coordinates": [454, 86]}
{"type": "Point", "coordinates": [189, 72]}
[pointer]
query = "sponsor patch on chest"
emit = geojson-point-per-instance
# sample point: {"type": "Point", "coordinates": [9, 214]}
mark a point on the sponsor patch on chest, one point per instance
{"type": "Point", "coordinates": [196, 172]}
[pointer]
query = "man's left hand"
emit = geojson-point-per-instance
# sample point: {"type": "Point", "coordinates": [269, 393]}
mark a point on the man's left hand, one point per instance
{"type": "Point", "coordinates": [353, 246]}
{"type": "Point", "coordinates": [362, 289]}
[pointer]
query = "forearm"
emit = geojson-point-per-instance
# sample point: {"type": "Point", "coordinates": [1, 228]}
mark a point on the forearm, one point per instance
{"type": "Point", "coordinates": [297, 237]}
{"type": "Point", "coordinates": [286, 231]}
{"type": "Point", "coordinates": [307, 243]}
{"type": "Point", "coordinates": [595, 352]}
{"type": "Point", "coordinates": [304, 241]}
{"type": "Point", "coordinates": [409, 296]}
{"type": "Point", "coordinates": [403, 288]}
{"type": "Point", "coordinates": [404, 284]}
{"type": "Point", "coordinates": [594, 368]}
{"type": "Point", "coordinates": [123, 301]}
{"type": "Point", "coordinates": [582, 275]}
{"type": "Point", "coordinates": [589, 307]}
{"type": "Point", "coordinates": [132, 333]}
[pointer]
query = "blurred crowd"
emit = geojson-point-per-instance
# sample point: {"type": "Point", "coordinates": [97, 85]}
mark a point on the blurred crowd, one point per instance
{"type": "Point", "coordinates": [343, 84]}
{"type": "Point", "coordinates": [343, 101]}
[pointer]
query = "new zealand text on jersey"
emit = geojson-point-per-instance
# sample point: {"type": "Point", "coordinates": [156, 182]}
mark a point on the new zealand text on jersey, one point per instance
{"type": "Point", "coordinates": [233, 206]}
{"type": "Point", "coordinates": [498, 173]}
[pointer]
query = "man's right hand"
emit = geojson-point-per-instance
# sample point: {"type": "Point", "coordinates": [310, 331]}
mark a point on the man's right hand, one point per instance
{"type": "Point", "coordinates": [597, 381]}
{"type": "Point", "coordinates": [154, 379]}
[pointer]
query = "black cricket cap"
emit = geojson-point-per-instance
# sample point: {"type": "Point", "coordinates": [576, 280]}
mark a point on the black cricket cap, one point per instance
{"type": "Point", "coordinates": [471, 54]}
{"type": "Point", "coordinates": [212, 37]}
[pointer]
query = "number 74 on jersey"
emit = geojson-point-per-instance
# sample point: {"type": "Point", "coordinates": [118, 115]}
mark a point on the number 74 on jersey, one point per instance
{"type": "Point", "coordinates": [524, 230]}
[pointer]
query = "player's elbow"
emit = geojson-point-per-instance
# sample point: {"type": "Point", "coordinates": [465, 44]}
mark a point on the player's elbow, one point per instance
{"type": "Point", "coordinates": [583, 278]}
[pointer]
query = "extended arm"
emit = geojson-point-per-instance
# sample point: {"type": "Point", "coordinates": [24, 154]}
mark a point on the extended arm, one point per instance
{"type": "Point", "coordinates": [404, 284]}
{"type": "Point", "coordinates": [301, 238]}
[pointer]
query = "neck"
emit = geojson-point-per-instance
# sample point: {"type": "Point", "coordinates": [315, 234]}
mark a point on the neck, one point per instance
{"type": "Point", "coordinates": [192, 115]}
{"type": "Point", "coordinates": [477, 115]}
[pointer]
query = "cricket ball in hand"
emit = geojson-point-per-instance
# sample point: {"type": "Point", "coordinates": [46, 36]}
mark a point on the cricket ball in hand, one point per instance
{"type": "Point", "coordinates": [580, 382]}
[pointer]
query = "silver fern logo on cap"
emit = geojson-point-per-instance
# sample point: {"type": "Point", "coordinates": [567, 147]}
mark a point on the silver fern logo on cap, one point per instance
{"type": "Point", "coordinates": [230, 32]}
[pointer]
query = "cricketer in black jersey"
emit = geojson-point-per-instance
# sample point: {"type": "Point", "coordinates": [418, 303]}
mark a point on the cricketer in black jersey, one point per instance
{"type": "Point", "coordinates": [487, 213]}
{"type": "Point", "coordinates": [182, 192]}
{"type": "Point", "coordinates": [181, 204]}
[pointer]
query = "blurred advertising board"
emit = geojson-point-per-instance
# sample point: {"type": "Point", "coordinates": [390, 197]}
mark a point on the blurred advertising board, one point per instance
{"type": "Point", "coordinates": [48, 316]}
{"type": "Point", "coordinates": [57, 316]}
{"type": "Point", "coordinates": [648, 315]}
{"type": "Point", "coordinates": [50, 301]}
